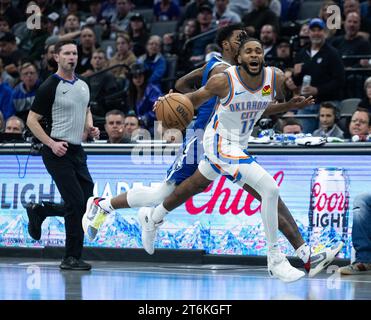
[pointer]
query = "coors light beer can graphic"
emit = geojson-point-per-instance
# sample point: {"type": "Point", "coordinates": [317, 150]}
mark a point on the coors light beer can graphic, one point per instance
{"type": "Point", "coordinates": [329, 206]}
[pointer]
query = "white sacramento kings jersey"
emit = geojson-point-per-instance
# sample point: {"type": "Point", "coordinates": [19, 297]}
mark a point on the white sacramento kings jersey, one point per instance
{"type": "Point", "coordinates": [237, 113]}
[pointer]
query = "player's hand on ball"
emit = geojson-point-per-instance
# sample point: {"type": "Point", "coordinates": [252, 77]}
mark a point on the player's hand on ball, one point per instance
{"type": "Point", "coordinates": [160, 100]}
{"type": "Point", "coordinates": [300, 102]}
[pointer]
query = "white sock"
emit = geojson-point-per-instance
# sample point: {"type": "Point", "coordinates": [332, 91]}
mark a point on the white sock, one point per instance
{"type": "Point", "coordinates": [159, 213]}
{"type": "Point", "coordinates": [105, 204]}
{"type": "Point", "coordinates": [303, 252]}
{"type": "Point", "coordinates": [273, 248]}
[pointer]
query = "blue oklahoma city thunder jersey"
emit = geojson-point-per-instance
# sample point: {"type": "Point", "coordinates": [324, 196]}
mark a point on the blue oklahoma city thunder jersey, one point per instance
{"type": "Point", "coordinates": [206, 110]}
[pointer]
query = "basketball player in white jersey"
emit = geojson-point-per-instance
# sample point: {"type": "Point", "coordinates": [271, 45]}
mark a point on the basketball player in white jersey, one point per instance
{"type": "Point", "coordinates": [150, 196]}
{"type": "Point", "coordinates": [245, 92]}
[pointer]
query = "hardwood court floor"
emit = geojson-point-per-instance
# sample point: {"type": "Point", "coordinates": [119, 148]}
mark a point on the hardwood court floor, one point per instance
{"type": "Point", "coordinates": [33, 279]}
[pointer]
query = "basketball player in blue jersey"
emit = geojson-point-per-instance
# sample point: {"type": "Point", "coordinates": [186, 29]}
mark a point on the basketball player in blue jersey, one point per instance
{"type": "Point", "coordinates": [181, 169]}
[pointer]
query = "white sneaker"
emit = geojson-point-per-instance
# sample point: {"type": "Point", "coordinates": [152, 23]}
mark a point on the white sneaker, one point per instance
{"type": "Point", "coordinates": [280, 267]}
{"type": "Point", "coordinates": [93, 217]}
{"type": "Point", "coordinates": [321, 259]}
{"type": "Point", "coordinates": [149, 229]}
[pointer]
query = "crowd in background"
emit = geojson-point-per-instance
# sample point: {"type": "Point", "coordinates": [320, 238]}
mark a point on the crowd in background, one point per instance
{"type": "Point", "coordinates": [128, 59]}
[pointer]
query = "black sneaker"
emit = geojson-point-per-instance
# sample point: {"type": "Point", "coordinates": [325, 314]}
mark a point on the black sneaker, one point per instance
{"type": "Point", "coordinates": [35, 220]}
{"type": "Point", "coordinates": [71, 263]}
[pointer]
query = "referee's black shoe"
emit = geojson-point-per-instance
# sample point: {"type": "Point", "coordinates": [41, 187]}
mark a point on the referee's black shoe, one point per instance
{"type": "Point", "coordinates": [71, 263]}
{"type": "Point", "coordinates": [35, 220]}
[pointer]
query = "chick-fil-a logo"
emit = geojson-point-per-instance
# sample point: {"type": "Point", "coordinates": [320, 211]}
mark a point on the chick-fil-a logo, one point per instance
{"type": "Point", "coordinates": [241, 202]}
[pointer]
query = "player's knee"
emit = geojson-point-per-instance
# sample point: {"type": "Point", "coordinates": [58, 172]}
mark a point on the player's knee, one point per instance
{"type": "Point", "coordinates": [272, 190]}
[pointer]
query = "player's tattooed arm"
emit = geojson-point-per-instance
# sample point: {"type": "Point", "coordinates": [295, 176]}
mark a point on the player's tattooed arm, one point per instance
{"type": "Point", "coordinates": [217, 85]}
{"type": "Point", "coordinates": [191, 81]}
{"type": "Point", "coordinates": [280, 93]}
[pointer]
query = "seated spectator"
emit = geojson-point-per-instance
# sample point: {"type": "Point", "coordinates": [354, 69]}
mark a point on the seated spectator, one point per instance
{"type": "Point", "coordinates": [142, 95]}
{"type": "Point", "coordinates": [4, 24]}
{"type": "Point", "coordinates": [24, 92]}
{"type": "Point", "coordinates": [114, 127]}
{"type": "Point", "coordinates": [85, 50]}
{"type": "Point", "coordinates": [176, 43]}
{"type": "Point", "coordinates": [48, 63]}
{"type": "Point", "coordinates": [354, 6]}
{"type": "Point", "coordinates": [154, 60]}
{"type": "Point", "coordinates": [131, 125]}
{"type": "Point", "coordinates": [284, 56]}
{"type": "Point", "coordinates": [14, 125]}
{"type": "Point", "coordinates": [206, 24]}
{"type": "Point", "coordinates": [359, 126]}
{"type": "Point", "coordinates": [138, 33]}
{"type": "Point", "coordinates": [191, 10]}
{"type": "Point", "coordinates": [361, 231]}
{"type": "Point", "coordinates": [10, 54]}
{"type": "Point", "coordinates": [1, 122]}
{"type": "Point", "coordinates": [6, 92]}
{"type": "Point", "coordinates": [366, 101]}
{"type": "Point", "coordinates": [328, 115]}
{"type": "Point", "coordinates": [123, 55]}
{"type": "Point", "coordinates": [120, 21]}
{"type": "Point", "coordinates": [351, 43]}
{"type": "Point", "coordinates": [323, 64]}
{"type": "Point", "coordinates": [102, 85]}
{"type": "Point", "coordinates": [292, 126]}
{"type": "Point", "coordinates": [166, 10]}
{"type": "Point", "coordinates": [223, 16]}
{"type": "Point", "coordinates": [260, 16]}
{"type": "Point", "coordinates": [268, 37]}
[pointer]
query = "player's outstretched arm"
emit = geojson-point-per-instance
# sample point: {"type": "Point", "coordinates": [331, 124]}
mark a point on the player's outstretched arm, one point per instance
{"type": "Point", "coordinates": [217, 85]}
{"type": "Point", "coordinates": [280, 106]}
{"type": "Point", "coordinates": [191, 81]}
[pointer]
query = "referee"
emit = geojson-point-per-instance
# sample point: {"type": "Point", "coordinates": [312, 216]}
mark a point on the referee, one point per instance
{"type": "Point", "coordinates": [63, 99]}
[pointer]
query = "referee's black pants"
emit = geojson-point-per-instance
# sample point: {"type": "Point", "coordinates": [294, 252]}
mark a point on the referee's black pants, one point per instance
{"type": "Point", "coordinates": [71, 175]}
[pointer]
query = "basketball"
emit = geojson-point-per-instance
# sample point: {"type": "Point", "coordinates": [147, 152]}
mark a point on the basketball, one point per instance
{"type": "Point", "coordinates": [175, 111]}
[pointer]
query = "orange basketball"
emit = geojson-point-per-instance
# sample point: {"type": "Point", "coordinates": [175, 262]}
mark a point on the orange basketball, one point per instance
{"type": "Point", "coordinates": [175, 111]}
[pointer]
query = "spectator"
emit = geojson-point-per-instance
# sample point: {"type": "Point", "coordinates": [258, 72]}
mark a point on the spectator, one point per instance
{"type": "Point", "coordinates": [324, 15]}
{"type": "Point", "coordinates": [6, 92]}
{"type": "Point", "coordinates": [10, 54]}
{"type": "Point", "coordinates": [366, 101]}
{"type": "Point", "coordinates": [166, 10]}
{"type": "Point", "coordinates": [361, 232]}
{"type": "Point", "coordinates": [284, 56]}
{"type": "Point", "coordinates": [24, 92]}
{"type": "Point", "coordinates": [1, 122]}
{"type": "Point", "coordinates": [109, 10]}
{"type": "Point", "coordinates": [120, 22]}
{"type": "Point", "coordinates": [95, 10]}
{"type": "Point", "coordinates": [328, 115]}
{"type": "Point", "coordinates": [153, 60]}
{"type": "Point", "coordinates": [123, 55]}
{"type": "Point", "coordinates": [4, 24]}
{"type": "Point", "coordinates": [359, 126]}
{"type": "Point", "coordinates": [131, 125]}
{"type": "Point", "coordinates": [138, 33]}
{"type": "Point", "coordinates": [114, 127]}
{"type": "Point", "coordinates": [7, 10]}
{"type": "Point", "coordinates": [85, 50]}
{"type": "Point", "coordinates": [205, 22]}
{"type": "Point", "coordinates": [268, 37]}
{"type": "Point", "coordinates": [351, 43]}
{"type": "Point", "coordinates": [292, 126]}
{"type": "Point", "coordinates": [191, 10]}
{"type": "Point", "coordinates": [354, 6]}
{"type": "Point", "coordinates": [5, 76]}
{"type": "Point", "coordinates": [326, 69]}
{"type": "Point", "coordinates": [48, 63]}
{"type": "Point", "coordinates": [14, 125]}
{"type": "Point", "coordinates": [260, 16]}
{"type": "Point", "coordinates": [177, 43]}
{"type": "Point", "coordinates": [142, 95]}
{"type": "Point", "coordinates": [223, 16]}
{"type": "Point", "coordinates": [102, 85]}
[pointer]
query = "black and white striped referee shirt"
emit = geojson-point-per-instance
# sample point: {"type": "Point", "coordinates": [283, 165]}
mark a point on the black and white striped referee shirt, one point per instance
{"type": "Point", "coordinates": [64, 104]}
